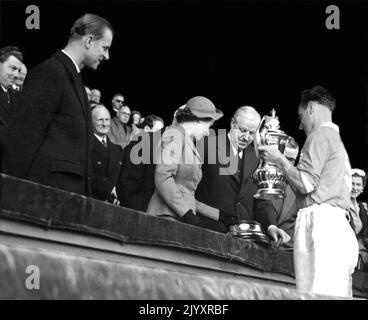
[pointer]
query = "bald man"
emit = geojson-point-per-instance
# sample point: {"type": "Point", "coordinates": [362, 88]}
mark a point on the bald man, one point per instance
{"type": "Point", "coordinates": [227, 183]}
{"type": "Point", "coordinates": [107, 158]}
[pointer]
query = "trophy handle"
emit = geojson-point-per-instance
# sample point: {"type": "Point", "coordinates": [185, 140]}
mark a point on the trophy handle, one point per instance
{"type": "Point", "coordinates": [257, 137]}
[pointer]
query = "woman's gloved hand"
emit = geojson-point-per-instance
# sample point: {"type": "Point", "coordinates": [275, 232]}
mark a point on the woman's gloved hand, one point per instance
{"type": "Point", "coordinates": [191, 218]}
{"type": "Point", "coordinates": [228, 218]}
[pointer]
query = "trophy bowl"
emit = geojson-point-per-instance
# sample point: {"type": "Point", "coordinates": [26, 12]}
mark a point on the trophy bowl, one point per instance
{"type": "Point", "coordinates": [270, 180]}
{"type": "Point", "coordinates": [249, 230]}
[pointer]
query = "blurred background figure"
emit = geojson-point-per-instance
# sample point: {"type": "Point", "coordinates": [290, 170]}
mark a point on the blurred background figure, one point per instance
{"type": "Point", "coordinates": [11, 61]}
{"type": "Point", "coordinates": [133, 122]}
{"type": "Point", "coordinates": [138, 180]}
{"type": "Point", "coordinates": [95, 95]}
{"type": "Point", "coordinates": [88, 92]}
{"type": "Point", "coordinates": [18, 84]}
{"type": "Point", "coordinates": [120, 131]}
{"type": "Point", "coordinates": [285, 208]}
{"type": "Point", "coordinates": [117, 101]}
{"type": "Point", "coordinates": [359, 216]}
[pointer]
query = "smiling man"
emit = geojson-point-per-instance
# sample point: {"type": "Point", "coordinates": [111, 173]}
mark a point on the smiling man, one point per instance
{"type": "Point", "coordinates": [107, 158]}
{"type": "Point", "coordinates": [51, 137]}
{"type": "Point", "coordinates": [11, 61]}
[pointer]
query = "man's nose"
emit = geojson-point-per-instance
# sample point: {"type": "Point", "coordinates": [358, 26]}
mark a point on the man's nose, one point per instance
{"type": "Point", "coordinates": [106, 55]}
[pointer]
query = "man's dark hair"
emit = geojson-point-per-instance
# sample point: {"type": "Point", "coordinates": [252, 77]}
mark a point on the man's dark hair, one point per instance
{"type": "Point", "coordinates": [186, 115]}
{"type": "Point", "coordinates": [8, 51]}
{"type": "Point", "coordinates": [90, 24]}
{"type": "Point", "coordinates": [149, 121]}
{"type": "Point", "coordinates": [118, 95]}
{"type": "Point", "coordinates": [317, 94]}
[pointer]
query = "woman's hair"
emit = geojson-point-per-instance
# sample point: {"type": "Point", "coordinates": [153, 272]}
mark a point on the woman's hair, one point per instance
{"type": "Point", "coordinates": [186, 115]}
{"type": "Point", "coordinates": [131, 119]}
{"type": "Point", "coordinates": [361, 174]}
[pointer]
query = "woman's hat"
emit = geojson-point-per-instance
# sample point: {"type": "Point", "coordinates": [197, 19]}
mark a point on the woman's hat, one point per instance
{"type": "Point", "coordinates": [203, 108]}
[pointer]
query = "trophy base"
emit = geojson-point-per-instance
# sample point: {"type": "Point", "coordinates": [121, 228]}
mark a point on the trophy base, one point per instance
{"type": "Point", "coordinates": [269, 193]}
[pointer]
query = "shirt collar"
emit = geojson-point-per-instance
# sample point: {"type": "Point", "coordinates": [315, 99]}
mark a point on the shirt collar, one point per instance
{"type": "Point", "coordinates": [2, 87]}
{"type": "Point", "coordinates": [76, 66]}
{"type": "Point", "coordinates": [100, 138]}
{"type": "Point", "coordinates": [234, 149]}
{"type": "Point", "coordinates": [330, 125]}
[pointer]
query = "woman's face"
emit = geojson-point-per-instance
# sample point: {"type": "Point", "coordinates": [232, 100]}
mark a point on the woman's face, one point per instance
{"type": "Point", "coordinates": [136, 118]}
{"type": "Point", "coordinates": [201, 129]}
{"type": "Point", "coordinates": [357, 186]}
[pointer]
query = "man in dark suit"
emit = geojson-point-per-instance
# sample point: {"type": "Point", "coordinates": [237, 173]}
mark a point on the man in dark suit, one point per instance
{"type": "Point", "coordinates": [285, 208]}
{"type": "Point", "coordinates": [138, 179]}
{"type": "Point", "coordinates": [11, 61]}
{"type": "Point", "coordinates": [227, 183]}
{"type": "Point", "coordinates": [107, 158]}
{"type": "Point", "coordinates": [50, 139]}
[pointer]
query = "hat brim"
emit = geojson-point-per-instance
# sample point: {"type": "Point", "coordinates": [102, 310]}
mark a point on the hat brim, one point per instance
{"type": "Point", "coordinates": [213, 115]}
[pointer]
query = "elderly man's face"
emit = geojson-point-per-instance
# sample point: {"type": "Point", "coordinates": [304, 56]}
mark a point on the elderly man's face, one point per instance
{"type": "Point", "coordinates": [243, 129]}
{"type": "Point", "coordinates": [9, 71]}
{"type": "Point", "coordinates": [123, 114]}
{"type": "Point", "coordinates": [101, 121]}
{"type": "Point", "coordinates": [99, 50]}
{"type": "Point", "coordinates": [95, 95]}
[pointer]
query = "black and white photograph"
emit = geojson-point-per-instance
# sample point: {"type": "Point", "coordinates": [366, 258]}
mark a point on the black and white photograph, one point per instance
{"type": "Point", "coordinates": [183, 155]}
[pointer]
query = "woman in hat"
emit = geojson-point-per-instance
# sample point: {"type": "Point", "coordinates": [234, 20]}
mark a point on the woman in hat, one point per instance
{"type": "Point", "coordinates": [358, 215]}
{"type": "Point", "coordinates": [178, 169]}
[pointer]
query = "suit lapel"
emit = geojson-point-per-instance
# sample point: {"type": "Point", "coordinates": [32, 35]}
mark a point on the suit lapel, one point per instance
{"type": "Point", "coordinates": [226, 157]}
{"type": "Point", "coordinates": [288, 203]}
{"type": "Point", "coordinates": [112, 156]}
{"type": "Point", "coordinates": [76, 81]}
{"type": "Point", "coordinates": [249, 157]}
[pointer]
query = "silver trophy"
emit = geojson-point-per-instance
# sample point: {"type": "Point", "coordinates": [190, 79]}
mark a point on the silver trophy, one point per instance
{"type": "Point", "coordinates": [268, 177]}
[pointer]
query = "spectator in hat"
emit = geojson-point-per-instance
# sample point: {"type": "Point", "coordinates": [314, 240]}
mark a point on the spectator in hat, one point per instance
{"type": "Point", "coordinates": [358, 216]}
{"type": "Point", "coordinates": [178, 169]}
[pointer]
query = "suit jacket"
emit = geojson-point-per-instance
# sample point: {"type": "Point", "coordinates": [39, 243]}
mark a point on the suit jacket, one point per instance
{"type": "Point", "coordinates": [138, 180]}
{"type": "Point", "coordinates": [106, 168]}
{"type": "Point", "coordinates": [363, 217]}
{"type": "Point", "coordinates": [177, 175]}
{"type": "Point", "coordinates": [286, 211]}
{"type": "Point", "coordinates": [50, 137]}
{"type": "Point", "coordinates": [119, 133]}
{"type": "Point", "coordinates": [228, 186]}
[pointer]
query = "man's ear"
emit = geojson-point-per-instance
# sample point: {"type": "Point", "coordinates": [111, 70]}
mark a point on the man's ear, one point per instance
{"type": "Point", "coordinates": [88, 41]}
{"type": "Point", "coordinates": [311, 106]}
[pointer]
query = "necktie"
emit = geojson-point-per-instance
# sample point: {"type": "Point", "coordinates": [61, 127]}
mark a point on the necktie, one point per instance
{"type": "Point", "coordinates": [104, 142]}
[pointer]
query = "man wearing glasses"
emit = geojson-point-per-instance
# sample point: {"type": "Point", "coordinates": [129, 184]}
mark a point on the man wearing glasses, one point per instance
{"type": "Point", "coordinates": [228, 167]}
{"type": "Point", "coordinates": [117, 101]}
{"type": "Point", "coordinates": [120, 131]}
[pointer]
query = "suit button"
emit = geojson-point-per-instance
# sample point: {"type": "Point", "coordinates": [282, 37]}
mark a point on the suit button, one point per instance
{"type": "Point", "coordinates": [99, 163]}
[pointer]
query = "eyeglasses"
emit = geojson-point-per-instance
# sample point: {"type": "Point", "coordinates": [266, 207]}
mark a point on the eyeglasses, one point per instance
{"type": "Point", "coordinates": [359, 172]}
{"type": "Point", "coordinates": [119, 101]}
